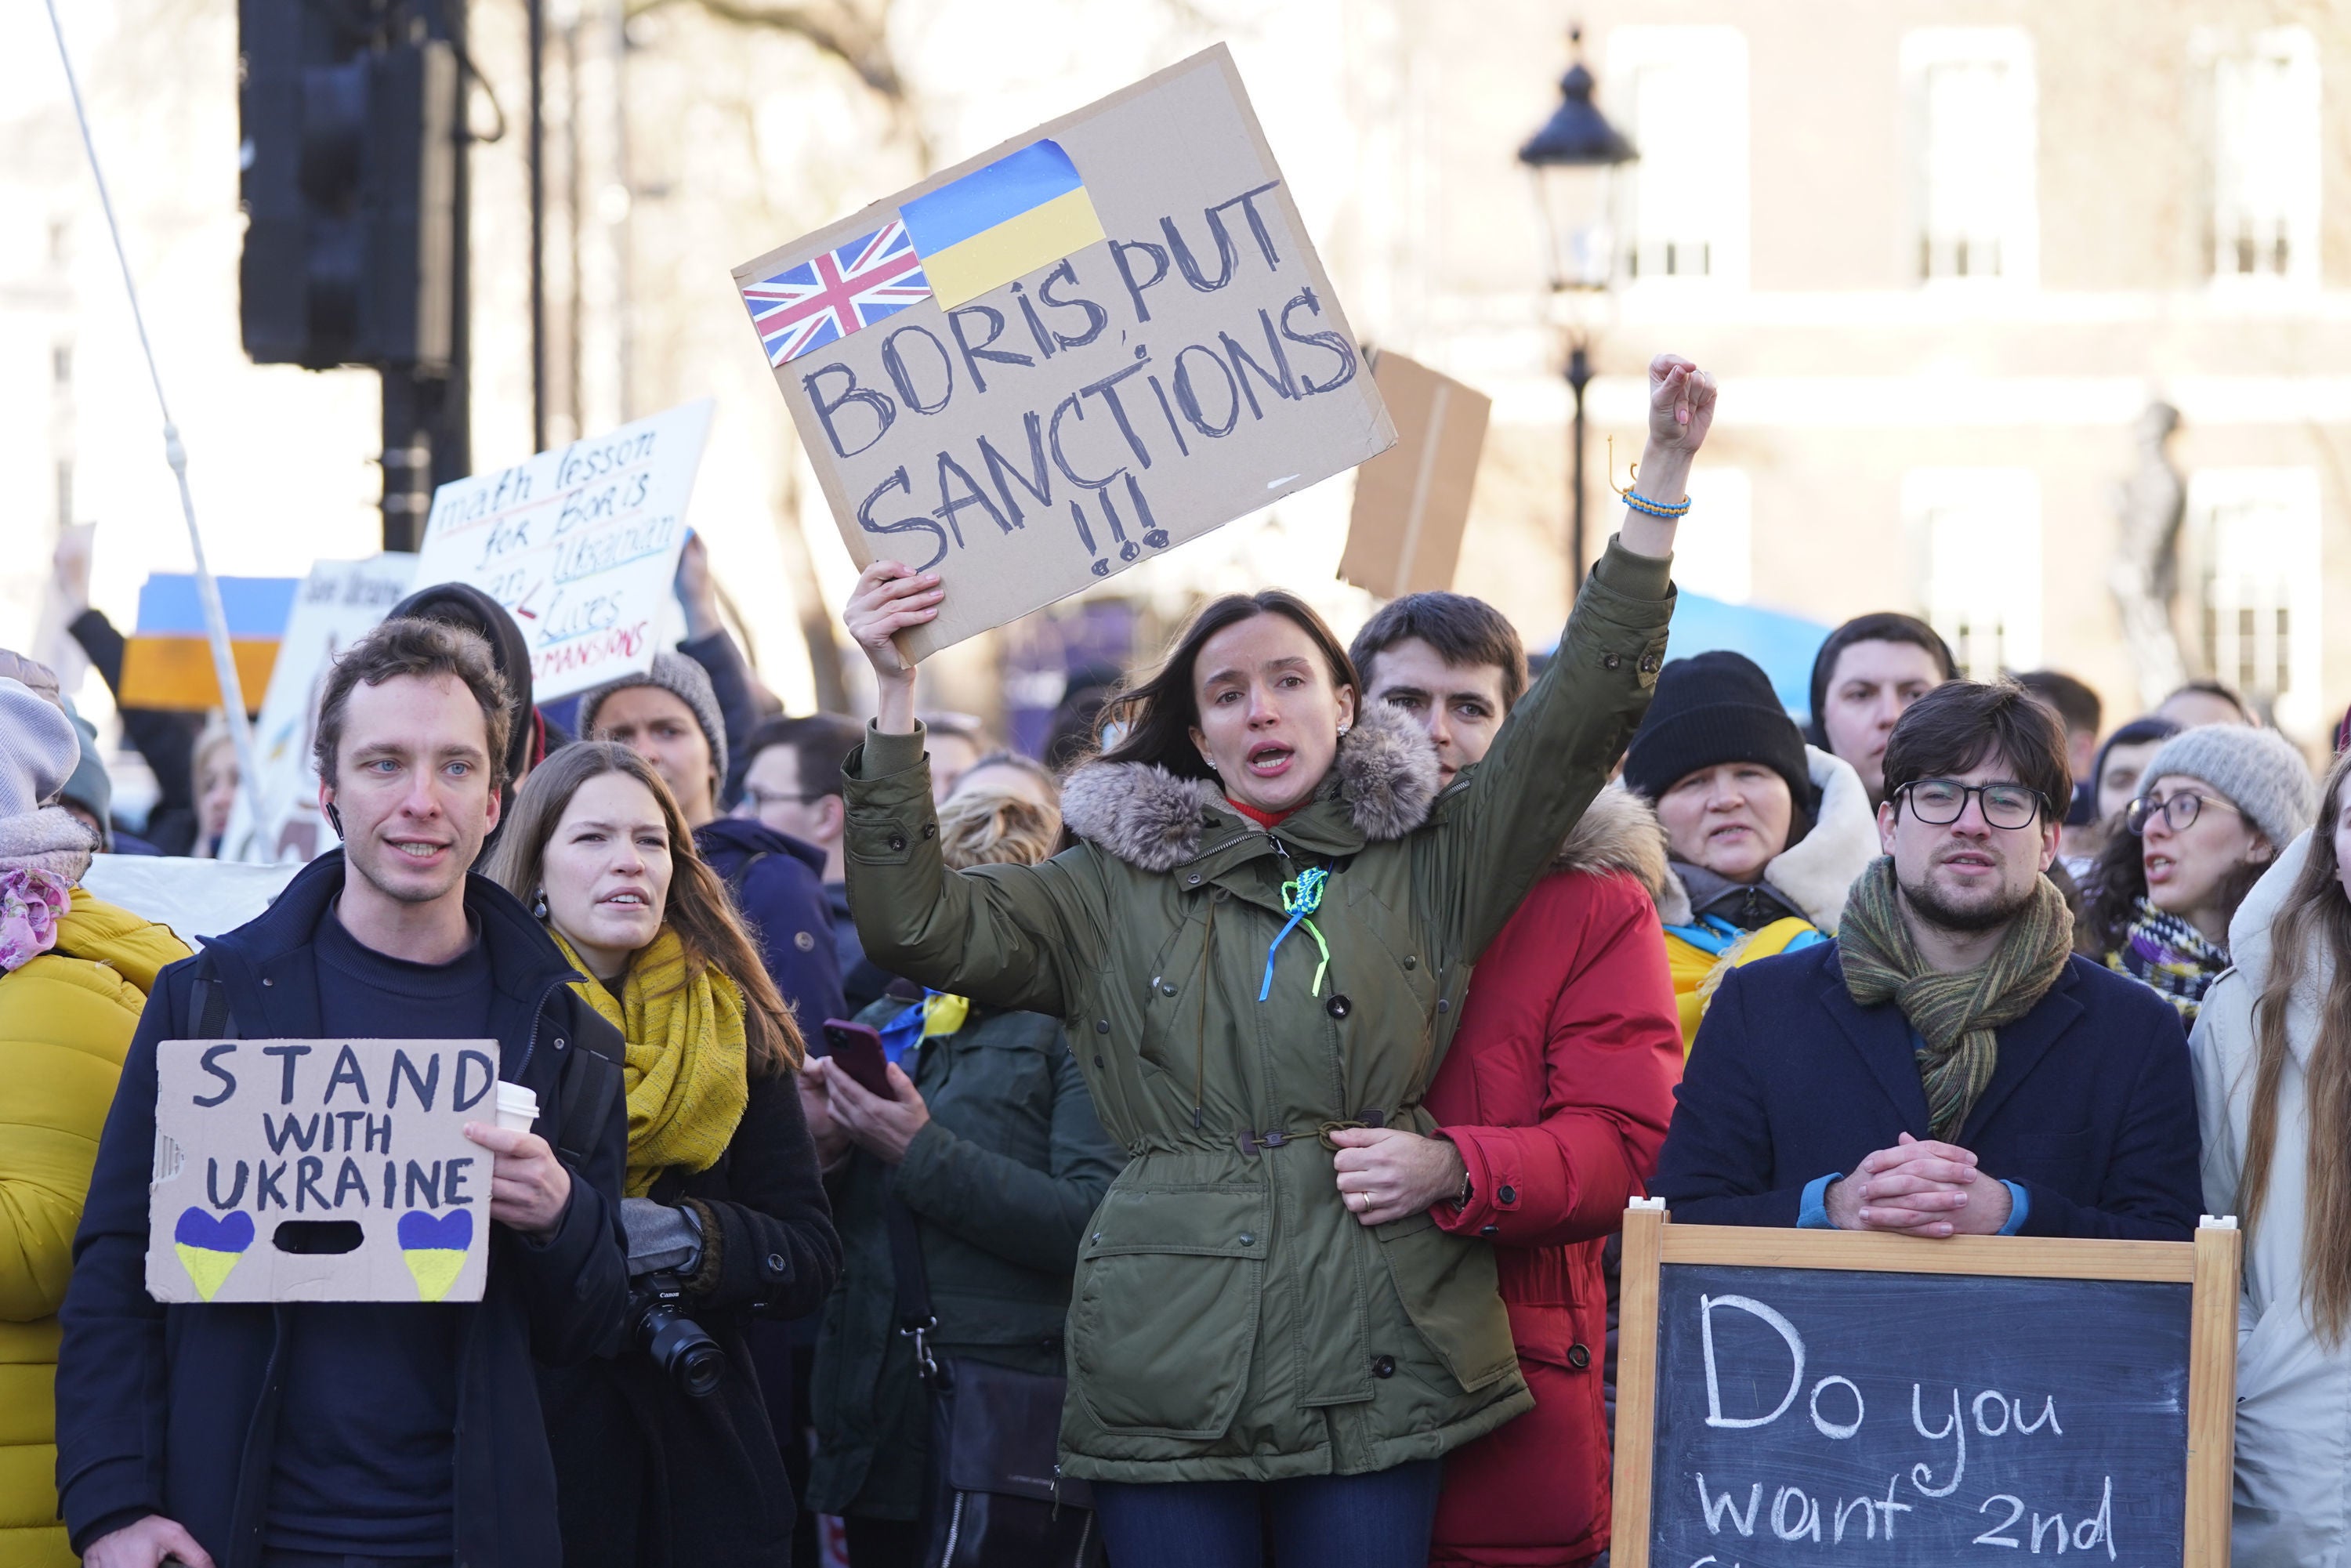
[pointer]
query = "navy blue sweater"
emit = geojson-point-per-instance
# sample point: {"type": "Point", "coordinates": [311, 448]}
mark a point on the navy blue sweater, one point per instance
{"type": "Point", "coordinates": [383, 1487]}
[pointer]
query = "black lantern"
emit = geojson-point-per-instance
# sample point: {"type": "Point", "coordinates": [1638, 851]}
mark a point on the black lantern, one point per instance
{"type": "Point", "coordinates": [1573, 159]}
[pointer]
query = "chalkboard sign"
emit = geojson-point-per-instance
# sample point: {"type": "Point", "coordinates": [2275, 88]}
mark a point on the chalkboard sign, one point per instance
{"type": "Point", "coordinates": [1792, 1397]}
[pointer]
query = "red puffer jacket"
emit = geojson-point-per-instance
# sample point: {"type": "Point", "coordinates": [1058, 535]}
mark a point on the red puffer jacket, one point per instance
{"type": "Point", "coordinates": [1557, 1091]}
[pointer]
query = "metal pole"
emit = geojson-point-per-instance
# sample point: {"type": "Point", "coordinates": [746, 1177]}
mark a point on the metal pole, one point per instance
{"type": "Point", "coordinates": [428, 420]}
{"type": "Point", "coordinates": [623, 272]}
{"type": "Point", "coordinates": [535, 13]}
{"type": "Point", "coordinates": [1578, 376]}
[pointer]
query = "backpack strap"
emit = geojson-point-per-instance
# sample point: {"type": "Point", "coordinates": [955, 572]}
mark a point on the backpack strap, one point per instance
{"type": "Point", "coordinates": [590, 1084]}
{"type": "Point", "coordinates": [741, 874]}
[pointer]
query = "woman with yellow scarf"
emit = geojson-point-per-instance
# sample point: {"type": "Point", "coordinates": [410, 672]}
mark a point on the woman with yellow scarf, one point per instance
{"type": "Point", "coordinates": [663, 1454]}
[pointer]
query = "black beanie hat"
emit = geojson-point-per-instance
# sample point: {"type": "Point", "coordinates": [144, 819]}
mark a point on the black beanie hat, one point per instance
{"type": "Point", "coordinates": [1712, 708]}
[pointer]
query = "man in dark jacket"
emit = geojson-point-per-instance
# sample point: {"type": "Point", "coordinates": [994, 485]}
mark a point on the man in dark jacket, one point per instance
{"type": "Point", "coordinates": [287, 1435]}
{"type": "Point", "coordinates": [793, 785]}
{"type": "Point", "coordinates": [1947, 1065]}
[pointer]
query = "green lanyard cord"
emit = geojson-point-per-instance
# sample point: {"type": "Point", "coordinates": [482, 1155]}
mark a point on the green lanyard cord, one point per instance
{"type": "Point", "coordinates": [1299, 899]}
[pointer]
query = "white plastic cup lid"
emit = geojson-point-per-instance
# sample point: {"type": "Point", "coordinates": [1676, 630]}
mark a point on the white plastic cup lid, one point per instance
{"type": "Point", "coordinates": [517, 1099]}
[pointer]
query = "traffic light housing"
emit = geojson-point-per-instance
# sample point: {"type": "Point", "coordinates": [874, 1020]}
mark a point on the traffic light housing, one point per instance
{"type": "Point", "coordinates": [349, 180]}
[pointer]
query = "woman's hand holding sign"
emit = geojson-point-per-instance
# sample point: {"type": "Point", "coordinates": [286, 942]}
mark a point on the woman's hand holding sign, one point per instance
{"type": "Point", "coordinates": [891, 597]}
{"type": "Point", "coordinates": [529, 1188]}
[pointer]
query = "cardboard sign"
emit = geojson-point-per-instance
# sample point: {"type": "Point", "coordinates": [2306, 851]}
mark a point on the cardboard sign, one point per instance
{"type": "Point", "coordinates": [1886, 1399]}
{"type": "Point", "coordinates": [1411, 501]}
{"type": "Point", "coordinates": [1069, 354]}
{"type": "Point", "coordinates": [336, 603]}
{"type": "Point", "coordinates": [578, 544]}
{"type": "Point", "coordinates": [320, 1170]}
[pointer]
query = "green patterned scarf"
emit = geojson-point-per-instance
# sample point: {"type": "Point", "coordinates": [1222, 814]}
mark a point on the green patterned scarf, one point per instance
{"type": "Point", "coordinates": [1954, 1014]}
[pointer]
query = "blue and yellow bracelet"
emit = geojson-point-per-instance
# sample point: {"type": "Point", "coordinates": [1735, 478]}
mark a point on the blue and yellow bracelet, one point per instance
{"type": "Point", "coordinates": [1642, 504]}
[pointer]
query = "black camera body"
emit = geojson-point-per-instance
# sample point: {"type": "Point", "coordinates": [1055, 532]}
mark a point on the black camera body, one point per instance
{"type": "Point", "coordinates": [680, 1347]}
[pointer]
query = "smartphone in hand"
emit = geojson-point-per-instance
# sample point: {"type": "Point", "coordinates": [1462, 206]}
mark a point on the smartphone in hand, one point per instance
{"type": "Point", "coordinates": [856, 1049]}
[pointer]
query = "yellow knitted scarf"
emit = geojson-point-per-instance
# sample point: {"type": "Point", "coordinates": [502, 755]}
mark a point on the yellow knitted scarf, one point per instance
{"type": "Point", "coordinates": [686, 1070]}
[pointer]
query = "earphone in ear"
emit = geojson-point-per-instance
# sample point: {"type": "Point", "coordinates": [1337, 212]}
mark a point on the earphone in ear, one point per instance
{"type": "Point", "coordinates": [336, 817]}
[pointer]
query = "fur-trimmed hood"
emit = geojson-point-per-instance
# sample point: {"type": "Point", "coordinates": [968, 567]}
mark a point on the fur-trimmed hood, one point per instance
{"type": "Point", "coordinates": [1619, 831]}
{"type": "Point", "coordinates": [1816, 873]}
{"type": "Point", "coordinates": [1384, 778]}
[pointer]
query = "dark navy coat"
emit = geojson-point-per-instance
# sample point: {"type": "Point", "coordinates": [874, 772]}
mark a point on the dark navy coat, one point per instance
{"type": "Point", "coordinates": [778, 887]}
{"type": "Point", "coordinates": [172, 1410]}
{"type": "Point", "coordinates": [2092, 1108]}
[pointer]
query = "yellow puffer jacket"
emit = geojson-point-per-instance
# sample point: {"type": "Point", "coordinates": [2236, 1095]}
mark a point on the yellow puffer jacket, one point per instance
{"type": "Point", "coordinates": [65, 1021]}
{"type": "Point", "coordinates": [1697, 970]}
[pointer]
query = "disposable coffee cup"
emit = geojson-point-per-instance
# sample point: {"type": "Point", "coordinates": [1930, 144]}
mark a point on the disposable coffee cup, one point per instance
{"type": "Point", "coordinates": [517, 1107]}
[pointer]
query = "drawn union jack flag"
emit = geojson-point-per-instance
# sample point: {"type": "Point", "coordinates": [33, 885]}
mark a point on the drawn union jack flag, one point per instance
{"type": "Point", "coordinates": [824, 299]}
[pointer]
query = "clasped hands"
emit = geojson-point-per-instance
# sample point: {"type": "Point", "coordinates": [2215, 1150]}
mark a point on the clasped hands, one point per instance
{"type": "Point", "coordinates": [1919, 1189]}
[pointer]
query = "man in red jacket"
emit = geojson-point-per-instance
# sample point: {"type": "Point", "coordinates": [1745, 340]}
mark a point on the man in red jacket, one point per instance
{"type": "Point", "coordinates": [1550, 1105]}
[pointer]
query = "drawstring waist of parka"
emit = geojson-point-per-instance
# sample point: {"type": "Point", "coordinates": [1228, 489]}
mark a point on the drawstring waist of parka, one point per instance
{"type": "Point", "coordinates": [1252, 1142]}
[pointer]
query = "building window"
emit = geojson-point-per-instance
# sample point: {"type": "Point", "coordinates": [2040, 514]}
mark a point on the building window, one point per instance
{"type": "Point", "coordinates": [1683, 92]}
{"type": "Point", "coordinates": [1719, 561]}
{"type": "Point", "coordinates": [1973, 111]}
{"type": "Point", "coordinates": [2253, 535]}
{"type": "Point", "coordinates": [1976, 535]}
{"type": "Point", "coordinates": [2265, 156]}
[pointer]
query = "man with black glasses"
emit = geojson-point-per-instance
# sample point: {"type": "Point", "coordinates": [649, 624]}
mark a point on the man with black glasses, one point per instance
{"type": "Point", "coordinates": [1947, 1065]}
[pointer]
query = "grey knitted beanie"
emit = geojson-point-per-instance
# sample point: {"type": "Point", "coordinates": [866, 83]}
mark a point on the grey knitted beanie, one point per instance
{"type": "Point", "coordinates": [38, 749]}
{"type": "Point", "coordinates": [682, 678]}
{"type": "Point", "coordinates": [2257, 770]}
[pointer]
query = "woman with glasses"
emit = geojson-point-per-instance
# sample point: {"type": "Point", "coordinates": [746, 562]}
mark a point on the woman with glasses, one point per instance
{"type": "Point", "coordinates": [2214, 807]}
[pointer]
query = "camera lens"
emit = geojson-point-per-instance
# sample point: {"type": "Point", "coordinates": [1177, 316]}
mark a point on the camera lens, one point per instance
{"type": "Point", "coordinates": [683, 1349]}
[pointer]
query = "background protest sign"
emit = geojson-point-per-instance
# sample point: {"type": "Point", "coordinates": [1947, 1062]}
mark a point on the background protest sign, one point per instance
{"type": "Point", "coordinates": [1411, 501]}
{"type": "Point", "coordinates": [1085, 346]}
{"type": "Point", "coordinates": [320, 1170]}
{"type": "Point", "coordinates": [1893, 1400]}
{"type": "Point", "coordinates": [578, 544]}
{"type": "Point", "coordinates": [338, 602]}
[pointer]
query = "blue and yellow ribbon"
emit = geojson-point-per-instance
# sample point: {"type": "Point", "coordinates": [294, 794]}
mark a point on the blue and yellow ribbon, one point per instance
{"type": "Point", "coordinates": [936, 1014]}
{"type": "Point", "coordinates": [1299, 899]}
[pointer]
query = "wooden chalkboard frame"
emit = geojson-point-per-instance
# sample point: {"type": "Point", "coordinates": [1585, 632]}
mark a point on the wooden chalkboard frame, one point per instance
{"type": "Point", "coordinates": [2208, 1265]}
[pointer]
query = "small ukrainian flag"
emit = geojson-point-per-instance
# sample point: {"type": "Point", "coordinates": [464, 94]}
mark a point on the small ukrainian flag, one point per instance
{"type": "Point", "coordinates": [1022, 212]}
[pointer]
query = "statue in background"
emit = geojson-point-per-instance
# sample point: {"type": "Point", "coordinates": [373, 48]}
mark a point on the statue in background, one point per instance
{"type": "Point", "coordinates": [2145, 571]}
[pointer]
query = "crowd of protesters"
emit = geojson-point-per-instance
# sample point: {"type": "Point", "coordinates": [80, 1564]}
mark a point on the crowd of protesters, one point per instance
{"type": "Point", "coordinates": [1201, 1146]}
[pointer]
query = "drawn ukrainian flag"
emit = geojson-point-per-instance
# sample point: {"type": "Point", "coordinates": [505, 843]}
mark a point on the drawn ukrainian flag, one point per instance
{"type": "Point", "coordinates": [1022, 212]}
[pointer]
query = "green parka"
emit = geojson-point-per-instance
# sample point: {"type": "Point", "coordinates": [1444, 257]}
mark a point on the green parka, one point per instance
{"type": "Point", "coordinates": [1233, 1320]}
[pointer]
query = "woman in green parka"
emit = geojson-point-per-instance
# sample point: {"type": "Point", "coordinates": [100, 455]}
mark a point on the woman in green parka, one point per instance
{"type": "Point", "coordinates": [1263, 937]}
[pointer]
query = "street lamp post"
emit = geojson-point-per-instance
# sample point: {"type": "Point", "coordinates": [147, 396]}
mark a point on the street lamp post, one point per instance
{"type": "Point", "coordinates": [1573, 159]}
